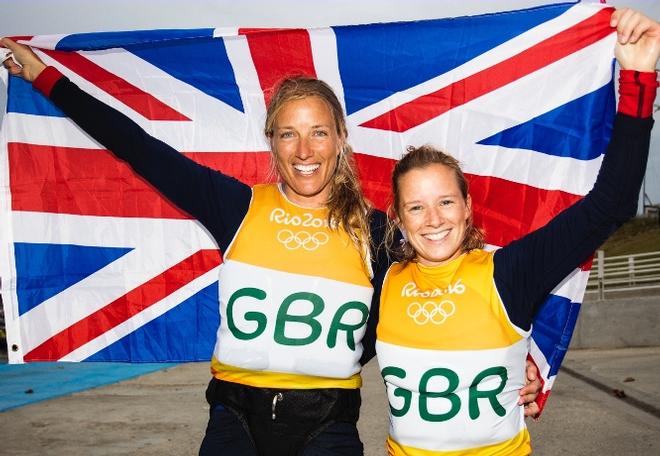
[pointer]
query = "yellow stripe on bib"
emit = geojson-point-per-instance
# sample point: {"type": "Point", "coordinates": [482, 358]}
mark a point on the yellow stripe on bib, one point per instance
{"type": "Point", "coordinates": [517, 446]}
{"type": "Point", "coordinates": [265, 379]}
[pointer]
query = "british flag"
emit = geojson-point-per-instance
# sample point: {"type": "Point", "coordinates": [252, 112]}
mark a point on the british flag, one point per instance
{"type": "Point", "coordinates": [96, 265]}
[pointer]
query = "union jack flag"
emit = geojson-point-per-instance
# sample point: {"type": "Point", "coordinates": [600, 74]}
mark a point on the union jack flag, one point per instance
{"type": "Point", "coordinates": [96, 265]}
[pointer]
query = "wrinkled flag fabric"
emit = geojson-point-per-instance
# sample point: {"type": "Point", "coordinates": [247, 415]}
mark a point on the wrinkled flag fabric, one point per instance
{"type": "Point", "coordinates": [97, 266]}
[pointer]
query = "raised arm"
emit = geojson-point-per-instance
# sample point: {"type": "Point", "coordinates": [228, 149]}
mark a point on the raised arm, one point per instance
{"type": "Point", "coordinates": [528, 269]}
{"type": "Point", "coordinates": [218, 201]}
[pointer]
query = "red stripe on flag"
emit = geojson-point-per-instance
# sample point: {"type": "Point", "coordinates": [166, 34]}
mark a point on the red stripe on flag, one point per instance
{"type": "Point", "coordinates": [88, 182]}
{"type": "Point", "coordinates": [508, 210]}
{"type": "Point", "coordinates": [497, 203]}
{"type": "Point", "coordinates": [278, 53]}
{"type": "Point", "coordinates": [248, 167]}
{"type": "Point", "coordinates": [135, 98]}
{"type": "Point", "coordinates": [127, 306]}
{"type": "Point", "coordinates": [429, 106]}
{"type": "Point", "coordinates": [67, 180]}
{"type": "Point", "coordinates": [586, 266]}
{"type": "Point", "coordinates": [21, 37]}
{"type": "Point", "coordinates": [375, 176]}
{"type": "Point", "coordinates": [505, 210]}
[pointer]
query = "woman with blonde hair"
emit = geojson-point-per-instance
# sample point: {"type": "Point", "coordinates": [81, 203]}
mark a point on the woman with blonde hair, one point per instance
{"type": "Point", "coordinates": [454, 318]}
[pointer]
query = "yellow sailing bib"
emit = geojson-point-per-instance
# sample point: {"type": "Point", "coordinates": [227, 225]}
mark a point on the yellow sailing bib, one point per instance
{"type": "Point", "coordinates": [451, 360]}
{"type": "Point", "coordinates": [294, 299]}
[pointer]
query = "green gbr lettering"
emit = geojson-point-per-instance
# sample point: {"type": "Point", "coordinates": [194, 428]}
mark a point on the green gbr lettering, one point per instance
{"type": "Point", "coordinates": [283, 317]}
{"type": "Point", "coordinates": [337, 324]}
{"type": "Point", "coordinates": [425, 394]}
{"type": "Point", "coordinates": [491, 395]}
{"type": "Point", "coordinates": [398, 392]}
{"type": "Point", "coordinates": [257, 317]}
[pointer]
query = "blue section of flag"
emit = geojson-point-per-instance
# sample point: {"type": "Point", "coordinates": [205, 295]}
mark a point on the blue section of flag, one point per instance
{"type": "Point", "coordinates": [202, 63]}
{"type": "Point", "coordinates": [580, 129]}
{"type": "Point", "coordinates": [106, 40]}
{"type": "Point", "coordinates": [185, 333]}
{"type": "Point", "coordinates": [44, 270]}
{"type": "Point", "coordinates": [22, 98]}
{"type": "Point", "coordinates": [400, 56]}
{"type": "Point", "coordinates": [553, 328]}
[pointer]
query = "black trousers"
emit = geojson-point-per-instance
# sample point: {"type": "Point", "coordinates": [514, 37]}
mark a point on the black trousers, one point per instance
{"type": "Point", "coordinates": [246, 420]}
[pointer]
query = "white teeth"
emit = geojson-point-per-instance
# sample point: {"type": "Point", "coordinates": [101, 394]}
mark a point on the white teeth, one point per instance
{"type": "Point", "coordinates": [437, 236]}
{"type": "Point", "coordinates": [306, 169]}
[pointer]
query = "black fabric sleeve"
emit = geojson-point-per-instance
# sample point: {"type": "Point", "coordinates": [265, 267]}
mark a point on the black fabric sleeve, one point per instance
{"type": "Point", "coordinates": [218, 201]}
{"type": "Point", "coordinates": [380, 262]}
{"type": "Point", "coordinates": [528, 269]}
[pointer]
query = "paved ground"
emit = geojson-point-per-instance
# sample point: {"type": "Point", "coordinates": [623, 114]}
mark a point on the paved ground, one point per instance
{"type": "Point", "coordinates": [22, 384]}
{"type": "Point", "coordinates": [164, 413]}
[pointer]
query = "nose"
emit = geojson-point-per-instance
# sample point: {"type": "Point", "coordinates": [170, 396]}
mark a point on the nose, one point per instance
{"type": "Point", "coordinates": [304, 150]}
{"type": "Point", "coordinates": [434, 217]}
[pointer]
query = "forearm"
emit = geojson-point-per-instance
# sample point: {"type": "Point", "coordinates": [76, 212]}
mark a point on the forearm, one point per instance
{"type": "Point", "coordinates": [615, 193]}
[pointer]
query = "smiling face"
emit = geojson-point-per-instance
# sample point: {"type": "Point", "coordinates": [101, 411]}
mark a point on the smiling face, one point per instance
{"type": "Point", "coordinates": [306, 145]}
{"type": "Point", "coordinates": [433, 213]}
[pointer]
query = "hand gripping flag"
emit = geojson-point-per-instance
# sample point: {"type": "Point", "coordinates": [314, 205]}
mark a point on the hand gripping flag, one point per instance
{"type": "Point", "coordinates": [96, 265]}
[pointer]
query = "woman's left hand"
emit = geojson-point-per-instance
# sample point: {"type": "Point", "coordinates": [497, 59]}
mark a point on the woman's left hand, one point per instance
{"type": "Point", "coordinates": [638, 40]}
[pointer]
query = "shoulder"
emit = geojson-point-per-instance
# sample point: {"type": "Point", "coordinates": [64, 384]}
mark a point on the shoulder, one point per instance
{"type": "Point", "coordinates": [397, 268]}
{"type": "Point", "coordinates": [265, 190]}
{"type": "Point", "coordinates": [480, 255]}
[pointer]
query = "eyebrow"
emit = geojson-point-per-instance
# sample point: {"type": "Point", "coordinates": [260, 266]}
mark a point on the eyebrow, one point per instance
{"type": "Point", "coordinates": [448, 195]}
{"type": "Point", "coordinates": [288, 127]}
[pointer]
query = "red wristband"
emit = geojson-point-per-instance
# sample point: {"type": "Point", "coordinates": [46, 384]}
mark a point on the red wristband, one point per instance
{"type": "Point", "coordinates": [637, 92]}
{"type": "Point", "coordinates": [46, 80]}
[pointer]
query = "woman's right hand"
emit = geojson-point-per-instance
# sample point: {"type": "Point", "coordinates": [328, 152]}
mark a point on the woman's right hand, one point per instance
{"type": "Point", "coordinates": [29, 64]}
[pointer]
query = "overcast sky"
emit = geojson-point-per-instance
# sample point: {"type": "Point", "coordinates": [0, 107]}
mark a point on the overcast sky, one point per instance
{"type": "Point", "coordinates": [31, 17]}
{"type": "Point", "coordinates": [39, 17]}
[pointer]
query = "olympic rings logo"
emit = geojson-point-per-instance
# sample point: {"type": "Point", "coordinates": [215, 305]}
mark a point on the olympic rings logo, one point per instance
{"type": "Point", "coordinates": [302, 239]}
{"type": "Point", "coordinates": [431, 312]}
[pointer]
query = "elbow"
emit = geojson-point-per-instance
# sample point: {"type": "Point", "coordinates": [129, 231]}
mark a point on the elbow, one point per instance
{"type": "Point", "coordinates": [612, 210]}
{"type": "Point", "coordinates": [626, 213]}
